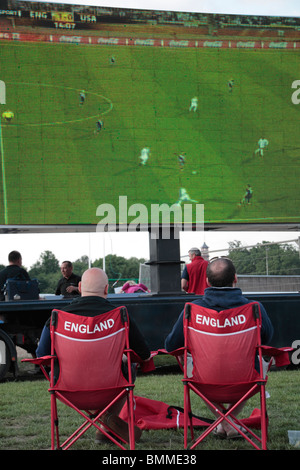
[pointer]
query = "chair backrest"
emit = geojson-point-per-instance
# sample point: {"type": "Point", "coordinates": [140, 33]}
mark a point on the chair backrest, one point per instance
{"type": "Point", "coordinates": [89, 349]}
{"type": "Point", "coordinates": [223, 344]}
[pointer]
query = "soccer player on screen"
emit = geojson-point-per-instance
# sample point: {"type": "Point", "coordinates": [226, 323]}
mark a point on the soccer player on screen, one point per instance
{"type": "Point", "coordinates": [184, 197]}
{"type": "Point", "coordinates": [262, 144]}
{"type": "Point", "coordinates": [194, 104]}
{"type": "Point", "coordinates": [230, 85]}
{"type": "Point", "coordinates": [247, 196]}
{"type": "Point", "coordinates": [81, 97]}
{"type": "Point", "coordinates": [99, 126]}
{"type": "Point", "coordinates": [181, 160]}
{"type": "Point", "coordinates": [8, 116]}
{"type": "Point", "coordinates": [145, 153]}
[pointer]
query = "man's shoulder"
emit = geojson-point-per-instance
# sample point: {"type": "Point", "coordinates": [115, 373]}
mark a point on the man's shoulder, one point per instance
{"type": "Point", "coordinates": [197, 263]}
{"type": "Point", "coordinates": [24, 271]}
{"type": "Point", "coordinates": [90, 304]}
{"type": "Point", "coordinates": [4, 270]}
{"type": "Point", "coordinates": [14, 271]}
{"type": "Point", "coordinates": [199, 259]}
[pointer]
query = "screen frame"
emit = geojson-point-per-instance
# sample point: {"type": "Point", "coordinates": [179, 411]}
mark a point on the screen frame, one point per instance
{"type": "Point", "coordinates": [230, 226]}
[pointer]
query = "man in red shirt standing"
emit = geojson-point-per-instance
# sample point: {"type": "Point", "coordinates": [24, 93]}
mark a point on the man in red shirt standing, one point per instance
{"type": "Point", "coordinates": [193, 279]}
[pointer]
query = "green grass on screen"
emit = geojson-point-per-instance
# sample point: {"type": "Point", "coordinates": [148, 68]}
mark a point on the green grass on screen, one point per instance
{"type": "Point", "coordinates": [58, 170]}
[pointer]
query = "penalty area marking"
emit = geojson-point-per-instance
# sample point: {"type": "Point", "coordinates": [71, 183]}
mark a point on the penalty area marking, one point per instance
{"type": "Point", "coordinates": [55, 123]}
{"type": "Point", "coordinates": [42, 124]}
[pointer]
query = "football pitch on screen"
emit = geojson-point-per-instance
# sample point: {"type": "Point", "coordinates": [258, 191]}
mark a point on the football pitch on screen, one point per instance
{"type": "Point", "coordinates": [58, 166]}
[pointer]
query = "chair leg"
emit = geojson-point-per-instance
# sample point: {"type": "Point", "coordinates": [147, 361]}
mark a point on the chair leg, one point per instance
{"type": "Point", "coordinates": [264, 423]}
{"type": "Point", "coordinates": [187, 416]}
{"type": "Point", "coordinates": [227, 416]}
{"type": "Point", "coordinates": [54, 423]}
{"type": "Point", "coordinates": [131, 420]}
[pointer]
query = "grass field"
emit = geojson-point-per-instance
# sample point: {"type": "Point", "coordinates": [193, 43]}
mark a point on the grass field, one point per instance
{"type": "Point", "coordinates": [56, 170]}
{"type": "Point", "coordinates": [25, 415]}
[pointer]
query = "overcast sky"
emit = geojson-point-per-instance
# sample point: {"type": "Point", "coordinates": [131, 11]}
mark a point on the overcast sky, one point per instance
{"type": "Point", "coordinates": [96, 245]}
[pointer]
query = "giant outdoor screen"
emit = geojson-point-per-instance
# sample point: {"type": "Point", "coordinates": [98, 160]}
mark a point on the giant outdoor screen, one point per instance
{"type": "Point", "coordinates": [125, 110]}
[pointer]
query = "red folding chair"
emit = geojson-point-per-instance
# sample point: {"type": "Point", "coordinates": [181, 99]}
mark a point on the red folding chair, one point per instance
{"type": "Point", "coordinates": [224, 346]}
{"type": "Point", "coordinates": [89, 353]}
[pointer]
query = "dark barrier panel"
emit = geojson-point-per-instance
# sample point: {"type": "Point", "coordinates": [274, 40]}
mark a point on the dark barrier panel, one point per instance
{"type": "Point", "coordinates": [155, 315]}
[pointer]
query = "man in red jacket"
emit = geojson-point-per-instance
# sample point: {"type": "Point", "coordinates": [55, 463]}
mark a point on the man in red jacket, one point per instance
{"type": "Point", "coordinates": [193, 279]}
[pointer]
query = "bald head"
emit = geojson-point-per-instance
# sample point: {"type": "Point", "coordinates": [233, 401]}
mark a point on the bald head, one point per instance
{"type": "Point", "coordinates": [221, 273]}
{"type": "Point", "coordinates": [94, 281]}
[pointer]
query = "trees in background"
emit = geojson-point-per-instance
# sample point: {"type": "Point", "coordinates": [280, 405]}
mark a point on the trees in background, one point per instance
{"type": "Point", "coordinates": [265, 259]}
{"type": "Point", "coordinates": [47, 271]}
{"type": "Point", "coordinates": [262, 259]}
{"type": "Point", "coordinates": [117, 268]}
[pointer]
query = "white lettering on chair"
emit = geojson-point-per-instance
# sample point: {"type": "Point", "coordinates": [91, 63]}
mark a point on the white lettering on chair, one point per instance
{"type": "Point", "coordinates": [215, 322]}
{"type": "Point", "coordinates": [85, 329]}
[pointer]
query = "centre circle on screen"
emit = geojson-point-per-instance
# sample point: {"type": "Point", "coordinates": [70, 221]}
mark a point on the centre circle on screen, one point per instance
{"type": "Point", "coordinates": [101, 105]}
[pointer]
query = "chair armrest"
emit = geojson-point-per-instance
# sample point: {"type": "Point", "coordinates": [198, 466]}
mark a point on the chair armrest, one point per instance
{"type": "Point", "coordinates": [146, 365]}
{"type": "Point", "coordinates": [176, 352]}
{"type": "Point", "coordinates": [40, 361]}
{"type": "Point", "coordinates": [280, 355]}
